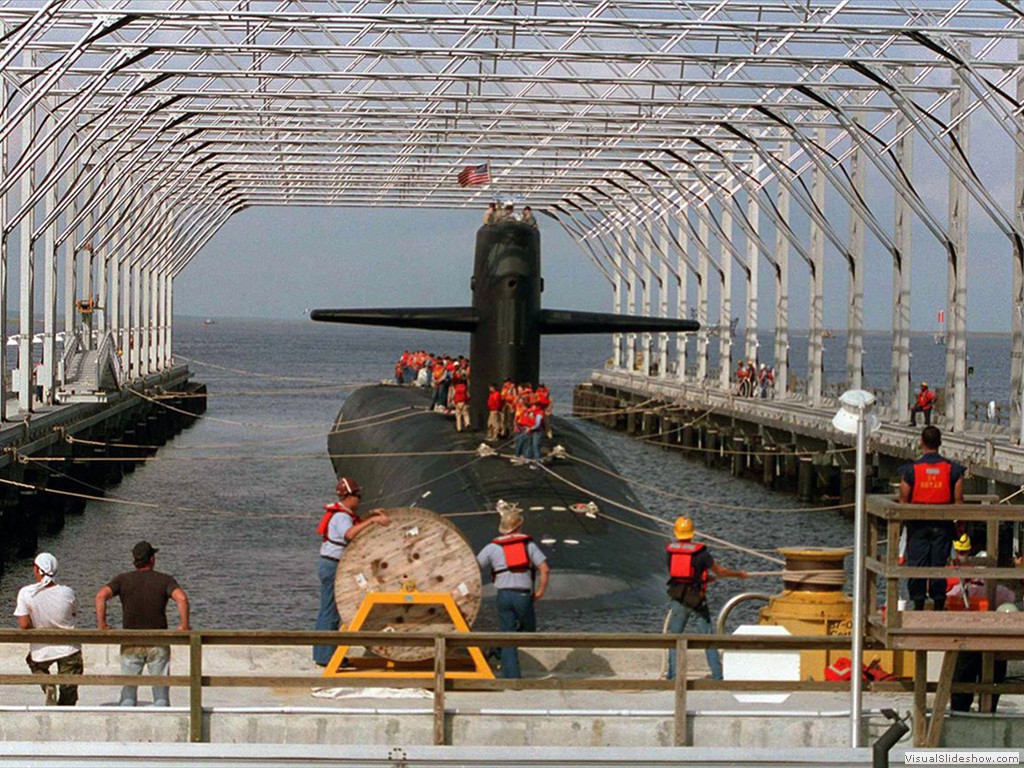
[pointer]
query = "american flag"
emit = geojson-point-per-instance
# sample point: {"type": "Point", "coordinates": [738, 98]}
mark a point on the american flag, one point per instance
{"type": "Point", "coordinates": [474, 175]}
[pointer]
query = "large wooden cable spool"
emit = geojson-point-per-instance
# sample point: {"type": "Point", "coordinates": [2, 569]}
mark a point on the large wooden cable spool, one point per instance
{"type": "Point", "coordinates": [418, 551]}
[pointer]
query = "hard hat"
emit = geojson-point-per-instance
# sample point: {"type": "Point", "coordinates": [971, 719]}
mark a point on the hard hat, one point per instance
{"type": "Point", "coordinates": [963, 544]}
{"type": "Point", "coordinates": [924, 384]}
{"type": "Point", "coordinates": [1007, 608]}
{"type": "Point", "coordinates": [348, 487]}
{"type": "Point", "coordinates": [683, 529]}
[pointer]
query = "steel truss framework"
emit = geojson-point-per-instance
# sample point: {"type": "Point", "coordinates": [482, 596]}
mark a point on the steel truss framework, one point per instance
{"type": "Point", "coordinates": [670, 139]}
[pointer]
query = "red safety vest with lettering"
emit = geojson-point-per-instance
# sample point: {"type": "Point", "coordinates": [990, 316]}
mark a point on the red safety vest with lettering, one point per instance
{"type": "Point", "coordinates": [932, 483]}
{"type": "Point", "coordinates": [330, 510]}
{"type": "Point", "coordinates": [680, 564]}
{"type": "Point", "coordinates": [517, 555]}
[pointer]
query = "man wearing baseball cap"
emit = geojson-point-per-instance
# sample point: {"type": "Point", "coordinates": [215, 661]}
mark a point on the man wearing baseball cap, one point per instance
{"type": "Point", "coordinates": [339, 525]}
{"type": "Point", "coordinates": [47, 604]}
{"type": "Point", "coordinates": [144, 593]}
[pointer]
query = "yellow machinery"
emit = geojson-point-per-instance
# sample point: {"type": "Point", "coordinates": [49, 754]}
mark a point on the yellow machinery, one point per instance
{"type": "Point", "coordinates": [813, 603]}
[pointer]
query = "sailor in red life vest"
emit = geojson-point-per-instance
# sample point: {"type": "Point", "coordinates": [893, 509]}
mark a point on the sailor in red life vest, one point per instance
{"type": "Point", "coordinates": [924, 403]}
{"type": "Point", "coordinates": [495, 406]}
{"type": "Point", "coordinates": [932, 479]}
{"type": "Point", "coordinates": [460, 399]}
{"type": "Point", "coordinates": [543, 397]}
{"type": "Point", "coordinates": [512, 559]}
{"type": "Point", "coordinates": [338, 526]}
{"type": "Point", "coordinates": [688, 566]}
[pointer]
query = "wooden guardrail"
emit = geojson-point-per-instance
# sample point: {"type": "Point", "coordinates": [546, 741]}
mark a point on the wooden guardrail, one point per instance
{"type": "Point", "coordinates": [198, 678]}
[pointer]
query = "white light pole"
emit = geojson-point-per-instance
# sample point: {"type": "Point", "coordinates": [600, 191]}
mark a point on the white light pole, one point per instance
{"type": "Point", "coordinates": [855, 418]}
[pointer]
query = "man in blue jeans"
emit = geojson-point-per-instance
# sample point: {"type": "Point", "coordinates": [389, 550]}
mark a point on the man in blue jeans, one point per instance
{"type": "Point", "coordinates": [689, 563]}
{"type": "Point", "coordinates": [513, 559]}
{"type": "Point", "coordinates": [144, 594]}
{"type": "Point", "coordinates": [339, 525]}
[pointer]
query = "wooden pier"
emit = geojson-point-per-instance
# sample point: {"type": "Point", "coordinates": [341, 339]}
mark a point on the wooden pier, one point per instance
{"type": "Point", "coordinates": [987, 450]}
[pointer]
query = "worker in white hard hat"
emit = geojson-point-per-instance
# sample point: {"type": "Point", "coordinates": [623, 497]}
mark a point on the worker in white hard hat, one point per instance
{"type": "Point", "coordinates": [689, 563]}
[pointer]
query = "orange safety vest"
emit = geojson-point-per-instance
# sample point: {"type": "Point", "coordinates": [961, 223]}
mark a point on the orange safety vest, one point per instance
{"type": "Point", "coordinates": [517, 555]}
{"type": "Point", "coordinates": [680, 567]}
{"type": "Point", "coordinates": [508, 393]}
{"type": "Point", "coordinates": [543, 396]}
{"type": "Point", "coordinates": [931, 483]}
{"type": "Point", "coordinates": [330, 510]}
{"type": "Point", "coordinates": [525, 418]}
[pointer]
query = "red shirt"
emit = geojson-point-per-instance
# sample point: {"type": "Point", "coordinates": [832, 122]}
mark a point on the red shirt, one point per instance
{"type": "Point", "coordinates": [460, 395]}
{"type": "Point", "coordinates": [494, 401]}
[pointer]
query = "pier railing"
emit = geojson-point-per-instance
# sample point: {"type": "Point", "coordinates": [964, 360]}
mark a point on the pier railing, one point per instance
{"type": "Point", "coordinates": [200, 677]}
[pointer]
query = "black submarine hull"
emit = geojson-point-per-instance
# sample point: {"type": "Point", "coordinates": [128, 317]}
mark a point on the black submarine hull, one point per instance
{"type": "Point", "coordinates": [602, 556]}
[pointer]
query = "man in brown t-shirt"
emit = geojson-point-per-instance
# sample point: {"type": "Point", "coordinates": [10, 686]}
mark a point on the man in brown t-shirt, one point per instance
{"type": "Point", "coordinates": [144, 593]}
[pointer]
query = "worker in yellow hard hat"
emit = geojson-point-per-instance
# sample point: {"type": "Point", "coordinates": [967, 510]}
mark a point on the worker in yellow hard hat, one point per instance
{"type": "Point", "coordinates": [688, 565]}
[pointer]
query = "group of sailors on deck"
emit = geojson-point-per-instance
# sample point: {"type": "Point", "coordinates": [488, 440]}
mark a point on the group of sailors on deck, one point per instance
{"type": "Point", "coordinates": [496, 215]}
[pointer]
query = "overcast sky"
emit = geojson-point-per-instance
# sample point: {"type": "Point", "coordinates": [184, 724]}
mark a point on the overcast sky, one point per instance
{"type": "Point", "coordinates": [276, 262]}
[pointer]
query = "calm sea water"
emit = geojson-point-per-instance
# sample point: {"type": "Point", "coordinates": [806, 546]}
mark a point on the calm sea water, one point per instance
{"type": "Point", "coordinates": [238, 495]}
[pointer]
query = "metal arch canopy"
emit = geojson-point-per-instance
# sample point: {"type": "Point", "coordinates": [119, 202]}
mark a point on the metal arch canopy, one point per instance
{"type": "Point", "coordinates": [136, 128]}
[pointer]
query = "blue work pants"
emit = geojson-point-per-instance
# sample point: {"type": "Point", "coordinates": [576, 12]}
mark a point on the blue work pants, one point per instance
{"type": "Point", "coordinates": [328, 618]}
{"type": "Point", "coordinates": [515, 614]}
{"type": "Point", "coordinates": [522, 445]}
{"type": "Point", "coordinates": [679, 616]}
{"type": "Point", "coordinates": [157, 659]}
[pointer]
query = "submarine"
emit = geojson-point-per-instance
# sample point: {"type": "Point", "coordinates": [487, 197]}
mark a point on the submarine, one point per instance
{"type": "Point", "coordinates": [575, 505]}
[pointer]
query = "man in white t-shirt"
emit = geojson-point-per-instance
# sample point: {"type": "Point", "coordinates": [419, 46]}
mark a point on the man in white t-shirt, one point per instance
{"type": "Point", "coordinates": [49, 604]}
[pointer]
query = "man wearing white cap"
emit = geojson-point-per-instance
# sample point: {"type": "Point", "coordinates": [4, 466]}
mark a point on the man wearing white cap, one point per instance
{"type": "Point", "coordinates": [47, 604]}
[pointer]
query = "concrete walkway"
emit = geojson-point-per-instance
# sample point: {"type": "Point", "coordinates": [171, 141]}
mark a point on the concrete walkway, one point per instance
{"type": "Point", "coordinates": [382, 716]}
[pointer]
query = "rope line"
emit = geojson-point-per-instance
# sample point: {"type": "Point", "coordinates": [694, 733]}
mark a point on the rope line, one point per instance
{"type": "Point", "coordinates": [694, 499]}
{"type": "Point", "coordinates": [257, 374]}
{"type": "Point", "coordinates": [658, 520]}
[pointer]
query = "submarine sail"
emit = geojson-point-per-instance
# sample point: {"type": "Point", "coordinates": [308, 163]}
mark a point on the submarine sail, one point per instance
{"type": "Point", "coordinates": [577, 507]}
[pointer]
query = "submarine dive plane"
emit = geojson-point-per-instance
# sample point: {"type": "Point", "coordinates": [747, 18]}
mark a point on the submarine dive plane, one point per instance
{"type": "Point", "coordinates": [604, 556]}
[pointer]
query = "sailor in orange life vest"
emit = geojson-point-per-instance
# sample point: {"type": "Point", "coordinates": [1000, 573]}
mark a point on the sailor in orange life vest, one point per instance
{"type": "Point", "coordinates": [931, 479]}
{"type": "Point", "coordinates": [338, 526]}
{"type": "Point", "coordinates": [512, 559]}
{"type": "Point", "coordinates": [923, 403]}
{"type": "Point", "coordinates": [688, 566]}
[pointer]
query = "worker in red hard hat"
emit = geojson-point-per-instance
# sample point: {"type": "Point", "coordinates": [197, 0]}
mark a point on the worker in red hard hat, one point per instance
{"type": "Point", "coordinates": [339, 525]}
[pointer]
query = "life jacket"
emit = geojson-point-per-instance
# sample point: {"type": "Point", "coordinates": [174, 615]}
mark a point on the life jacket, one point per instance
{"type": "Point", "coordinates": [494, 401]}
{"type": "Point", "coordinates": [517, 555]}
{"type": "Point", "coordinates": [932, 483]}
{"type": "Point", "coordinates": [508, 393]}
{"type": "Point", "coordinates": [680, 565]}
{"type": "Point", "coordinates": [525, 418]}
{"type": "Point", "coordinates": [330, 510]}
{"type": "Point", "coordinates": [842, 670]}
{"type": "Point", "coordinates": [925, 399]}
{"type": "Point", "coordinates": [460, 395]}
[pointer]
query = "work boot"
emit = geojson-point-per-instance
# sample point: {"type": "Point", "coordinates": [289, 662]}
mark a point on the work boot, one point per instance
{"type": "Point", "coordinates": [939, 603]}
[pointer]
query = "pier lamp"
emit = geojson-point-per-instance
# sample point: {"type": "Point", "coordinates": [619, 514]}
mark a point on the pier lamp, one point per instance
{"type": "Point", "coordinates": [855, 418]}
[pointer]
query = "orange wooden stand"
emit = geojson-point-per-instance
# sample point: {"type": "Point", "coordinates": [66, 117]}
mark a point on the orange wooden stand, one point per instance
{"type": "Point", "coordinates": [385, 668]}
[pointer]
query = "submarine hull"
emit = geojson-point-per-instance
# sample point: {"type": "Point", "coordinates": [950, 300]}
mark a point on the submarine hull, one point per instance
{"type": "Point", "coordinates": [405, 455]}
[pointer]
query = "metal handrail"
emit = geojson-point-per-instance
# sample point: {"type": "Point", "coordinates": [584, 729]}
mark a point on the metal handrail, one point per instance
{"type": "Point", "coordinates": [72, 342]}
{"type": "Point", "coordinates": [198, 679]}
